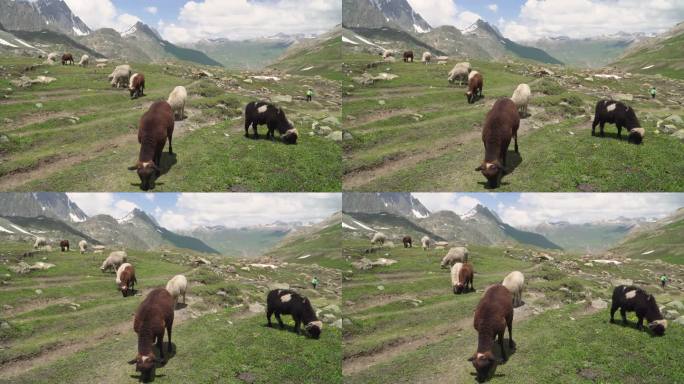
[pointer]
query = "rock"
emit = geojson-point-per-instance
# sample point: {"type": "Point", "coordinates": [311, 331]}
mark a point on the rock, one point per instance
{"type": "Point", "coordinates": [332, 308]}
{"type": "Point", "coordinates": [20, 268]}
{"type": "Point", "coordinates": [323, 131]}
{"type": "Point", "coordinates": [599, 304]}
{"type": "Point", "coordinates": [381, 102]}
{"type": "Point", "coordinates": [331, 120]}
{"type": "Point", "coordinates": [337, 324]}
{"type": "Point", "coordinates": [246, 377]}
{"type": "Point", "coordinates": [381, 287]}
{"type": "Point", "coordinates": [43, 80]}
{"type": "Point", "coordinates": [589, 78]}
{"type": "Point", "coordinates": [221, 292]}
{"type": "Point", "coordinates": [347, 136]}
{"type": "Point", "coordinates": [675, 119]}
{"type": "Point", "coordinates": [329, 317]}
{"type": "Point", "coordinates": [282, 99]}
{"type": "Point", "coordinates": [335, 136]}
{"type": "Point", "coordinates": [256, 308]}
{"type": "Point", "coordinates": [617, 282]}
{"type": "Point", "coordinates": [39, 291]}
{"type": "Point", "coordinates": [5, 325]}
{"type": "Point", "coordinates": [7, 307]}
{"type": "Point", "coordinates": [40, 266]}
{"type": "Point", "coordinates": [545, 257]}
{"type": "Point", "coordinates": [668, 129]}
{"type": "Point", "coordinates": [680, 320]}
{"type": "Point", "coordinates": [39, 105]}
{"type": "Point", "coordinates": [622, 97]}
{"type": "Point", "coordinates": [230, 269]}
{"type": "Point", "coordinates": [679, 135]}
{"type": "Point", "coordinates": [200, 260]}
{"type": "Point", "coordinates": [362, 264]}
{"type": "Point", "coordinates": [678, 305]}
{"type": "Point", "coordinates": [606, 262]}
{"type": "Point", "coordinates": [382, 262]}
{"type": "Point", "coordinates": [671, 314]}
{"type": "Point", "coordinates": [248, 81]}
{"type": "Point", "coordinates": [346, 322]}
{"type": "Point", "coordinates": [589, 264]}
{"type": "Point", "coordinates": [273, 286]}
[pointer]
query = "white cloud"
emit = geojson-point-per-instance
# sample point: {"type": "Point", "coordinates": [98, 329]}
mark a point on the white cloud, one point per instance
{"type": "Point", "coordinates": [244, 209]}
{"type": "Point", "coordinates": [102, 203]}
{"type": "Point", "coordinates": [152, 10]}
{"type": "Point", "coordinates": [101, 14]}
{"type": "Point", "coordinates": [583, 18]}
{"type": "Point", "coordinates": [443, 12]}
{"type": "Point", "coordinates": [150, 196]}
{"type": "Point", "coordinates": [493, 7]}
{"type": "Point", "coordinates": [240, 19]}
{"type": "Point", "coordinates": [447, 202]}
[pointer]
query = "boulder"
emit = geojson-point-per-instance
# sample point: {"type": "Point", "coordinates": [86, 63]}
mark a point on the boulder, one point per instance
{"type": "Point", "coordinates": [282, 99]}
{"type": "Point", "coordinates": [678, 305]}
{"type": "Point", "coordinates": [273, 286]}
{"type": "Point", "coordinates": [337, 324]}
{"type": "Point", "coordinates": [331, 120]}
{"type": "Point", "coordinates": [256, 308]}
{"type": "Point", "coordinates": [599, 304]}
{"type": "Point", "coordinates": [671, 314]}
{"type": "Point", "coordinates": [680, 321]}
{"type": "Point", "coordinates": [622, 97]}
{"type": "Point", "coordinates": [668, 129]}
{"type": "Point", "coordinates": [40, 266]}
{"type": "Point", "coordinates": [335, 136]}
{"type": "Point", "coordinates": [675, 119]}
{"type": "Point", "coordinates": [679, 135]}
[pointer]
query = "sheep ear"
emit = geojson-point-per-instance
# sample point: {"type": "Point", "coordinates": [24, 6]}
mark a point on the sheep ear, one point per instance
{"type": "Point", "coordinates": [479, 167]}
{"type": "Point", "coordinates": [133, 361]}
{"type": "Point", "coordinates": [471, 358]}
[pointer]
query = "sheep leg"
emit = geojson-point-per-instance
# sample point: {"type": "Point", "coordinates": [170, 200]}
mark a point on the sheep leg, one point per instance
{"type": "Point", "coordinates": [623, 313]}
{"type": "Point", "coordinates": [183, 297]}
{"type": "Point", "coordinates": [515, 137]}
{"type": "Point", "coordinates": [247, 124]}
{"type": "Point", "coordinates": [509, 323]}
{"type": "Point", "coordinates": [619, 128]}
{"type": "Point", "coordinates": [170, 145]}
{"type": "Point", "coordinates": [640, 323]}
{"type": "Point", "coordinates": [269, 313]}
{"type": "Point", "coordinates": [297, 324]}
{"type": "Point", "coordinates": [601, 124]}
{"type": "Point", "coordinates": [593, 126]}
{"type": "Point", "coordinates": [280, 321]}
{"type": "Point", "coordinates": [613, 308]}
{"type": "Point", "coordinates": [501, 344]}
{"type": "Point", "coordinates": [169, 325]}
{"type": "Point", "coordinates": [160, 344]}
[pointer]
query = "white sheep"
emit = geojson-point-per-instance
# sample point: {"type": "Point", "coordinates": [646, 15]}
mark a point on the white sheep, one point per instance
{"type": "Point", "coordinates": [177, 286]}
{"type": "Point", "coordinates": [114, 260]}
{"type": "Point", "coordinates": [515, 282]}
{"type": "Point", "coordinates": [119, 77]}
{"type": "Point", "coordinates": [455, 255]}
{"type": "Point", "coordinates": [459, 72]}
{"type": "Point", "coordinates": [40, 242]}
{"type": "Point", "coordinates": [427, 56]}
{"type": "Point", "coordinates": [425, 241]}
{"type": "Point", "coordinates": [387, 53]}
{"type": "Point", "coordinates": [176, 100]}
{"type": "Point", "coordinates": [378, 238]}
{"type": "Point", "coordinates": [53, 57]}
{"type": "Point", "coordinates": [521, 97]}
{"type": "Point", "coordinates": [85, 60]}
{"type": "Point", "coordinates": [100, 65]}
{"type": "Point", "coordinates": [83, 246]}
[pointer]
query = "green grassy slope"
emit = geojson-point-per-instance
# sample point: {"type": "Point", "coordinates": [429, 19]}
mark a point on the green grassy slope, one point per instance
{"type": "Point", "coordinates": [665, 243]}
{"type": "Point", "coordinates": [418, 133]}
{"type": "Point", "coordinates": [666, 58]}
{"type": "Point", "coordinates": [322, 247]}
{"type": "Point", "coordinates": [323, 54]}
{"type": "Point", "coordinates": [79, 125]}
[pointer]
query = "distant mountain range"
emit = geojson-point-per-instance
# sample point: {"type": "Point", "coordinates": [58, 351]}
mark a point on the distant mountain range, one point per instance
{"type": "Point", "coordinates": [656, 239]}
{"type": "Point", "coordinates": [661, 54]}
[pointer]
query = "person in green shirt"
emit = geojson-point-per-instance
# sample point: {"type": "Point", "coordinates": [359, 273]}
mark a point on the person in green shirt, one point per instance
{"type": "Point", "coordinates": [663, 280]}
{"type": "Point", "coordinates": [653, 92]}
{"type": "Point", "coordinates": [309, 94]}
{"type": "Point", "coordinates": [314, 282]}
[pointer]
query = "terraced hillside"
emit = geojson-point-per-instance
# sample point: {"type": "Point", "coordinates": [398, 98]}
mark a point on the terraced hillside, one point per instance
{"type": "Point", "coordinates": [403, 324]}
{"type": "Point", "coordinates": [69, 324]}
{"type": "Point", "coordinates": [416, 132]}
{"type": "Point", "coordinates": [78, 133]}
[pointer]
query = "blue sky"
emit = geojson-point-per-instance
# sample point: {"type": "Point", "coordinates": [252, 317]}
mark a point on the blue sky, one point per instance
{"type": "Point", "coordinates": [188, 210]}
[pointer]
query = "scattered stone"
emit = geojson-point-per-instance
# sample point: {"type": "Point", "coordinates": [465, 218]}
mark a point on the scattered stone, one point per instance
{"type": "Point", "coordinates": [256, 308]}
{"type": "Point", "coordinates": [335, 136]}
{"type": "Point", "coordinates": [248, 81]}
{"type": "Point", "coordinates": [622, 97]}
{"type": "Point", "coordinates": [671, 314]}
{"type": "Point", "coordinates": [332, 308]}
{"type": "Point", "coordinates": [678, 305]}
{"type": "Point", "coordinates": [273, 286]}
{"type": "Point", "coordinates": [668, 129]}
{"type": "Point", "coordinates": [246, 377]}
{"type": "Point", "coordinates": [40, 266]}
{"type": "Point", "coordinates": [39, 291]}
{"type": "Point", "coordinates": [7, 307]}
{"type": "Point", "coordinates": [381, 287]}
{"type": "Point", "coordinates": [599, 304]}
{"type": "Point", "coordinates": [331, 120]}
{"type": "Point", "coordinates": [381, 102]}
{"type": "Point", "coordinates": [680, 320]}
{"type": "Point", "coordinates": [337, 324]}
{"type": "Point", "coordinates": [675, 119]}
{"type": "Point", "coordinates": [230, 269]}
{"type": "Point", "coordinates": [5, 325]}
{"type": "Point", "coordinates": [39, 105]}
{"type": "Point", "coordinates": [679, 135]}
{"type": "Point", "coordinates": [282, 99]}
{"type": "Point", "coordinates": [20, 268]}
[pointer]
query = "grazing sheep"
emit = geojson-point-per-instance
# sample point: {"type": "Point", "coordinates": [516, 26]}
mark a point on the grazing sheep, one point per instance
{"type": "Point", "coordinates": [287, 302]}
{"type": "Point", "coordinates": [493, 314]}
{"type": "Point", "coordinates": [176, 100]}
{"type": "Point", "coordinates": [461, 277]}
{"type": "Point", "coordinates": [120, 75]}
{"type": "Point", "coordinates": [64, 246]}
{"type": "Point", "coordinates": [459, 72]}
{"type": "Point", "coordinates": [500, 125]}
{"type": "Point", "coordinates": [378, 238]}
{"type": "Point", "coordinates": [515, 282]}
{"type": "Point", "coordinates": [100, 65]}
{"type": "Point", "coordinates": [67, 58]}
{"type": "Point", "coordinates": [136, 85]}
{"type": "Point", "coordinates": [387, 53]}
{"type": "Point", "coordinates": [177, 286]}
{"type": "Point", "coordinates": [114, 261]}
{"type": "Point", "coordinates": [427, 56]}
{"type": "Point", "coordinates": [290, 136]}
{"type": "Point", "coordinates": [83, 246]}
{"type": "Point", "coordinates": [407, 242]}
{"type": "Point", "coordinates": [635, 299]}
{"type": "Point", "coordinates": [125, 278]}
{"type": "Point", "coordinates": [425, 242]}
{"type": "Point", "coordinates": [615, 112]}
{"type": "Point", "coordinates": [455, 255]}
{"type": "Point", "coordinates": [52, 57]}
{"type": "Point", "coordinates": [40, 242]}
{"type": "Point", "coordinates": [408, 56]}
{"type": "Point", "coordinates": [154, 315]}
{"type": "Point", "coordinates": [474, 87]}
{"type": "Point", "coordinates": [521, 97]}
{"type": "Point", "coordinates": [155, 126]}
{"type": "Point", "coordinates": [85, 60]}
{"type": "Point", "coordinates": [260, 113]}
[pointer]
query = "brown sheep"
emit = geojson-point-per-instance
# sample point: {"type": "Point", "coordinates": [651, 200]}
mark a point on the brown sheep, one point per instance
{"type": "Point", "coordinates": [154, 127]}
{"type": "Point", "coordinates": [408, 243]}
{"type": "Point", "coordinates": [154, 315]}
{"type": "Point", "coordinates": [474, 87]}
{"type": "Point", "coordinates": [500, 125]}
{"type": "Point", "coordinates": [493, 314]}
{"type": "Point", "coordinates": [64, 245]}
{"type": "Point", "coordinates": [408, 56]}
{"type": "Point", "coordinates": [136, 85]}
{"type": "Point", "coordinates": [67, 58]}
{"type": "Point", "coordinates": [462, 278]}
{"type": "Point", "coordinates": [125, 278]}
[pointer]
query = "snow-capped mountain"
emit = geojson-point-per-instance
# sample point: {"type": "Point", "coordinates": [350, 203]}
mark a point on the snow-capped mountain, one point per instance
{"type": "Point", "coordinates": [53, 205]}
{"type": "Point", "coordinates": [401, 203]}
{"type": "Point", "coordinates": [38, 15]}
{"type": "Point", "coordinates": [383, 13]}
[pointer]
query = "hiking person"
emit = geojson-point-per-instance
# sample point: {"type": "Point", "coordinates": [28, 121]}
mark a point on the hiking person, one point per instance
{"type": "Point", "coordinates": [309, 94]}
{"type": "Point", "coordinates": [653, 92]}
{"type": "Point", "coordinates": [663, 280]}
{"type": "Point", "coordinates": [314, 282]}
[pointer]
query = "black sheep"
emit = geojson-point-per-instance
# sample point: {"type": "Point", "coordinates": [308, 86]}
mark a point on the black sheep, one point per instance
{"type": "Point", "coordinates": [261, 112]}
{"type": "Point", "coordinates": [615, 112]}
{"type": "Point", "coordinates": [287, 302]}
{"type": "Point", "coordinates": [634, 299]}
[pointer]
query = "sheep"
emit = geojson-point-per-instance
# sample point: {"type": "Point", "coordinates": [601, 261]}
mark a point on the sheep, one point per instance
{"type": "Point", "coordinates": [615, 112]}
{"type": "Point", "coordinates": [120, 75]}
{"type": "Point", "coordinates": [52, 57]}
{"type": "Point", "coordinates": [287, 302]}
{"type": "Point", "coordinates": [387, 53]}
{"type": "Point", "coordinates": [177, 286]}
{"type": "Point", "coordinates": [136, 85]}
{"type": "Point", "coordinates": [521, 97]}
{"type": "Point", "coordinates": [85, 60]}
{"type": "Point", "coordinates": [408, 243]}
{"type": "Point", "coordinates": [100, 65]}
{"type": "Point", "coordinates": [125, 278]}
{"type": "Point", "coordinates": [378, 238]}
{"type": "Point", "coordinates": [408, 56]}
{"type": "Point", "coordinates": [500, 125]}
{"type": "Point", "coordinates": [455, 255]}
{"type": "Point", "coordinates": [64, 246]}
{"type": "Point", "coordinates": [427, 56]}
{"type": "Point", "coordinates": [155, 126]}
{"type": "Point", "coordinates": [261, 112]}
{"type": "Point", "coordinates": [474, 87]}
{"type": "Point", "coordinates": [67, 58]}
{"type": "Point", "coordinates": [154, 315]}
{"type": "Point", "coordinates": [83, 246]}
{"type": "Point", "coordinates": [492, 315]}
{"type": "Point", "coordinates": [631, 298]}
{"type": "Point", "coordinates": [176, 100]}
{"type": "Point", "coordinates": [425, 241]}
{"type": "Point", "coordinates": [461, 277]}
{"type": "Point", "coordinates": [40, 242]}
{"type": "Point", "coordinates": [114, 260]}
{"type": "Point", "coordinates": [290, 136]}
{"type": "Point", "coordinates": [515, 282]}
{"type": "Point", "coordinates": [459, 72]}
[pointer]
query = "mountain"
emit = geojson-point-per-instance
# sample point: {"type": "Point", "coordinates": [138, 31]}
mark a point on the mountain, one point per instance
{"type": "Point", "coordinates": [240, 242]}
{"type": "Point", "coordinates": [400, 203]}
{"type": "Point", "coordinates": [383, 13]}
{"type": "Point", "coordinates": [314, 56]}
{"type": "Point", "coordinates": [588, 52]}
{"type": "Point", "coordinates": [38, 15]}
{"type": "Point", "coordinates": [141, 43]}
{"type": "Point", "coordinates": [245, 54]}
{"type": "Point", "coordinates": [662, 54]}
{"type": "Point", "coordinates": [662, 239]}
{"type": "Point", "coordinates": [25, 229]}
{"type": "Point", "coordinates": [53, 205]}
{"type": "Point", "coordinates": [587, 237]}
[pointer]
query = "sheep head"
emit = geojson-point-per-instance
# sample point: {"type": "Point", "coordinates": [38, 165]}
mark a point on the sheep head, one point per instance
{"type": "Point", "coordinates": [658, 327]}
{"type": "Point", "coordinates": [290, 136]}
{"type": "Point", "coordinates": [145, 364]}
{"type": "Point", "coordinates": [493, 172]}
{"type": "Point", "coordinates": [314, 329]}
{"type": "Point", "coordinates": [485, 365]}
{"type": "Point", "coordinates": [636, 135]}
{"type": "Point", "coordinates": [147, 172]}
